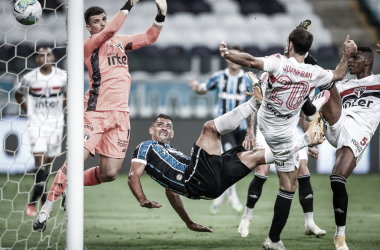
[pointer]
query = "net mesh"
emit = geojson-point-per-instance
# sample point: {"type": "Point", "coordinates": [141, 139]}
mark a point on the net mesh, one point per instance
{"type": "Point", "coordinates": [18, 46]}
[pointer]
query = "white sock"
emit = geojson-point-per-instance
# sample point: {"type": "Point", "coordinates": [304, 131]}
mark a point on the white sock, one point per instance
{"type": "Point", "coordinates": [218, 201]}
{"type": "Point", "coordinates": [318, 103]}
{"type": "Point", "coordinates": [48, 205]}
{"type": "Point", "coordinates": [304, 140]}
{"type": "Point", "coordinates": [269, 159]}
{"type": "Point", "coordinates": [340, 231]}
{"type": "Point", "coordinates": [309, 219]}
{"type": "Point", "coordinates": [232, 195]}
{"type": "Point", "coordinates": [248, 214]}
{"type": "Point", "coordinates": [231, 120]}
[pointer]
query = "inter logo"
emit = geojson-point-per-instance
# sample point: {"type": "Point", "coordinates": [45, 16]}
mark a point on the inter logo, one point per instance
{"type": "Point", "coordinates": [359, 91]}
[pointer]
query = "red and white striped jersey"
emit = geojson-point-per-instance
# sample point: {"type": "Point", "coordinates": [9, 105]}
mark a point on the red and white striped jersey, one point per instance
{"type": "Point", "coordinates": [285, 91]}
{"type": "Point", "coordinates": [45, 95]}
{"type": "Point", "coordinates": [361, 100]}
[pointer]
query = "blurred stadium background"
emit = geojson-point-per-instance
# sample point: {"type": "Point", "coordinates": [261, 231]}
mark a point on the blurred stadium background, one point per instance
{"type": "Point", "coordinates": [187, 47]}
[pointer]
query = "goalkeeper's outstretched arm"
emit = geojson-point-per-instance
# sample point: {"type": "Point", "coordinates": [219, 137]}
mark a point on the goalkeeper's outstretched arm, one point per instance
{"type": "Point", "coordinates": [242, 59]}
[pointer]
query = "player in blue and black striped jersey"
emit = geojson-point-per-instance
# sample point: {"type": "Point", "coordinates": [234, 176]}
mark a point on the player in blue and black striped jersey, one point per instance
{"type": "Point", "coordinates": [229, 85]}
{"type": "Point", "coordinates": [206, 174]}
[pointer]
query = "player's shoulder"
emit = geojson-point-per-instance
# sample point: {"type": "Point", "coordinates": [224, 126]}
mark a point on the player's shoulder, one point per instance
{"type": "Point", "coordinates": [60, 71]}
{"type": "Point", "coordinates": [218, 73]}
{"type": "Point", "coordinates": [31, 74]}
{"type": "Point", "coordinates": [146, 144]}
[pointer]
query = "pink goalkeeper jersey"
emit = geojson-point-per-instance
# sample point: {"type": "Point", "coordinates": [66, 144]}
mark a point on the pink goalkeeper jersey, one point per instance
{"type": "Point", "coordinates": [107, 64]}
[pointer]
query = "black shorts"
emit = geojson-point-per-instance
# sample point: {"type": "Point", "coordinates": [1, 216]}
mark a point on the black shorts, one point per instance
{"type": "Point", "coordinates": [208, 176]}
{"type": "Point", "coordinates": [232, 139]}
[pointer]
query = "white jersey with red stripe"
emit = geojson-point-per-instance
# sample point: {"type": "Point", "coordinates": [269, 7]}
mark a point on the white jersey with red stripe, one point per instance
{"type": "Point", "coordinates": [285, 92]}
{"type": "Point", "coordinates": [361, 100]}
{"type": "Point", "coordinates": [45, 95]}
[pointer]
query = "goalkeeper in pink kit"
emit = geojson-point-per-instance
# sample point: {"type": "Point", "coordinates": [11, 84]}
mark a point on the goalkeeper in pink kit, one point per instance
{"type": "Point", "coordinates": [106, 116]}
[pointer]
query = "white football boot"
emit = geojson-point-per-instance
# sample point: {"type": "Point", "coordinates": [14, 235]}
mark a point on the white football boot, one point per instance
{"type": "Point", "coordinates": [244, 228]}
{"type": "Point", "coordinates": [269, 245]}
{"type": "Point", "coordinates": [313, 229]}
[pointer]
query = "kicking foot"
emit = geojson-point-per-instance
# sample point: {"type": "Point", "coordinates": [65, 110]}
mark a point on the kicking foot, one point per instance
{"type": "Point", "coordinates": [321, 99]}
{"type": "Point", "coordinates": [257, 94]}
{"type": "Point", "coordinates": [315, 130]}
{"type": "Point", "coordinates": [269, 245]}
{"type": "Point", "coordinates": [39, 223]}
{"type": "Point", "coordinates": [64, 199]}
{"type": "Point", "coordinates": [31, 210]}
{"type": "Point", "coordinates": [340, 243]}
{"type": "Point", "coordinates": [305, 24]}
{"type": "Point", "coordinates": [244, 228]}
{"type": "Point", "coordinates": [313, 229]}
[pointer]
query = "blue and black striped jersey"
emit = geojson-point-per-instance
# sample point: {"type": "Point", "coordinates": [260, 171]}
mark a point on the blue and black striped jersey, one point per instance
{"type": "Point", "coordinates": [230, 91]}
{"type": "Point", "coordinates": [164, 164]}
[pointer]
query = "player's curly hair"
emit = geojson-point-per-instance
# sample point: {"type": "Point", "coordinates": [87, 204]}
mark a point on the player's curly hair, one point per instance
{"type": "Point", "coordinates": [92, 11]}
{"type": "Point", "coordinates": [162, 116]}
{"type": "Point", "coordinates": [302, 40]}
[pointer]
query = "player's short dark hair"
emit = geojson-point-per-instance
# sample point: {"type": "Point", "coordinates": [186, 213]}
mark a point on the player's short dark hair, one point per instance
{"type": "Point", "coordinates": [162, 116]}
{"type": "Point", "coordinates": [238, 48]}
{"type": "Point", "coordinates": [367, 50]}
{"type": "Point", "coordinates": [302, 40]}
{"type": "Point", "coordinates": [93, 11]}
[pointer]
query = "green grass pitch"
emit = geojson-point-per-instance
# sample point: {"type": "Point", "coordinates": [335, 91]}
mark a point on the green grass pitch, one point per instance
{"type": "Point", "coordinates": [113, 218]}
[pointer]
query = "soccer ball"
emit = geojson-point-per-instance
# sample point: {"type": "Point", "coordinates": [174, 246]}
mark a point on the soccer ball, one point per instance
{"type": "Point", "coordinates": [27, 12]}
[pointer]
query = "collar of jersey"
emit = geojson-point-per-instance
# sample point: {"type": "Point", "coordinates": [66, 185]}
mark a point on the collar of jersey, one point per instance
{"type": "Point", "coordinates": [292, 58]}
{"type": "Point", "coordinates": [356, 79]}
{"type": "Point", "coordinates": [227, 72]}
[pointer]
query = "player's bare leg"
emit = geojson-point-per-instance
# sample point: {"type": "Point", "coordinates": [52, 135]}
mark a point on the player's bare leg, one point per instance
{"type": "Point", "coordinates": [344, 165]}
{"type": "Point", "coordinates": [254, 193]}
{"type": "Point", "coordinates": [306, 199]}
{"type": "Point", "coordinates": [109, 168]}
{"type": "Point", "coordinates": [333, 108]}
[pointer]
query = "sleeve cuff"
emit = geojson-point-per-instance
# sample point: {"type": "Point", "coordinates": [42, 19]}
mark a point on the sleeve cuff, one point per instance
{"type": "Point", "coordinates": [139, 160]}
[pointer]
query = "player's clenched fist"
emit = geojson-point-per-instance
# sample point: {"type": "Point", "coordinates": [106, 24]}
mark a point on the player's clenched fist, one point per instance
{"type": "Point", "coordinates": [349, 46]}
{"type": "Point", "coordinates": [223, 49]}
{"type": "Point", "coordinates": [162, 7]}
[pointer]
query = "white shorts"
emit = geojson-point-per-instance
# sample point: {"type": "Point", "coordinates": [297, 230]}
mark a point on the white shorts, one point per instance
{"type": "Point", "coordinates": [46, 139]}
{"type": "Point", "coordinates": [285, 151]}
{"type": "Point", "coordinates": [348, 132]}
{"type": "Point", "coordinates": [261, 143]}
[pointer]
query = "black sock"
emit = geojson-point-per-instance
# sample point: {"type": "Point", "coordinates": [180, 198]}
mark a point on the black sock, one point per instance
{"type": "Point", "coordinates": [340, 199]}
{"type": "Point", "coordinates": [255, 189]}
{"type": "Point", "coordinates": [281, 214]}
{"type": "Point", "coordinates": [44, 196]}
{"type": "Point", "coordinates": [39, 184]}
{"type": "Point", "coordinates": [305, 192]}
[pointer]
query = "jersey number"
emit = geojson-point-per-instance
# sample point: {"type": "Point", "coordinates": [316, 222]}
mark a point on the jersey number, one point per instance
{"type": "Point", "coordinates": [364, 141]}
{"type": "Point", "coordinates": [297, 94]}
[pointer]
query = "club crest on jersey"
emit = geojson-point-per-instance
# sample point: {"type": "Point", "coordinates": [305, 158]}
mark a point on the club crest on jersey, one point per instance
{"type": "Point", "coordinates": [359, 91]}
{"type": "Point", "coordinates": [120, 47]}
{"type": "Point", "coordinates": [179, 177]}
{"type": "Point", "coordinates": [86, 137]}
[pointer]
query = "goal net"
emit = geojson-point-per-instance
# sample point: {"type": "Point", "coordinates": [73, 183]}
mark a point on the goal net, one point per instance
{"type": "Point", "coordinates": [23, 133]}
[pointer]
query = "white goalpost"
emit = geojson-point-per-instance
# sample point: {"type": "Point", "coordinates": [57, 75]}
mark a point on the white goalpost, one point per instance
{"type": "Point", "coordinates": [74, 229]}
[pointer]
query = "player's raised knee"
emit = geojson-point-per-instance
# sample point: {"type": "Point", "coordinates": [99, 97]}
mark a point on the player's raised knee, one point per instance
{"type": "Point", "coordinates": [109, 175]}
{"type": "Point", "coordinates": [209, 128]}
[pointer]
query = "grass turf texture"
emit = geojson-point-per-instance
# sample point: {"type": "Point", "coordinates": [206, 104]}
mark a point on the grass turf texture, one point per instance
{"type": "Point", "coordinates": [114, 219]}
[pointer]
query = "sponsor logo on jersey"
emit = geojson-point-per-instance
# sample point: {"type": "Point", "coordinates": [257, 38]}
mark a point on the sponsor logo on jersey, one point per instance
{"type": "Point", "coordinates": [124, 150]}
{"type": "Point", "coordinates": [358, 147]}
{"type": "Point", "coordinates": [115, 59]}
{"type": "Point", "coordinates": [86, 137]}
{"type": "Point", "coordinates": [89, 126]}
{"type": "Point", "coordinates": [357, 102]}
{"type": "Point", "coordinates": [179, 177]}
{"type": "Point", "coordinates": [359, 91]}
{"type": "Point", "coordinates": [122, 143]}
{"type": "Point", "coordinates": [277, 113]}
{"type": "Point", "coordinates": [43, 103]}
{"type": "Point", "coordinates": [120, 47]}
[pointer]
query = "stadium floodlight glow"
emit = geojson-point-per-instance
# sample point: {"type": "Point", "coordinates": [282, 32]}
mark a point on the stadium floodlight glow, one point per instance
{"type": "Point", "coordinates": [75, 93]}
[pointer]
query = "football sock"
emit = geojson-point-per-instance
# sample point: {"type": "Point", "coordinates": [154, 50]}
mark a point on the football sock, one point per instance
{"type": "Point", "coordinates": [231, 120]}
{"type": "Point", "coordinates": [91, 177]}
{"type": "Point", "coordinates": [340, 230]}
{"type": "Point", "coordinates": [232, 195]}
{"type": "Point", "coordinates": [340, 199]}
{"type": "Point", "coordinates": [305, 192]}
{"type": "Point", "coordinates": [41, 176]}
{"type": "Point", "coordinates": [309, 218]}
{"type": "Point", "coordinates": [308, 108]}
{"type": "Point", "coordinates": [218, 201]}
{"type": "Point", "coordinates": [48, 205]}
{"type": "Point", "coordinates": [255, 189]}
{"type": "Point", "coordinates": [281, 214]}
{"type": "Point", "coordinates": [44, 196]}
{"type": "Point", "coordinates": [59, 184]}
{"type": "Point", "coordinates": [248, 214]}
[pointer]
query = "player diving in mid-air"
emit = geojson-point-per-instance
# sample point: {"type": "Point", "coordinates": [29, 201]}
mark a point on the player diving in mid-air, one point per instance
{"type": "Point", "coordinates": [208, 172]}
{"type": "Point", "coordinates": [352, 117]}
{"type": "Point", "coordinates": [106, 116]}
{"type": "Point", "coordinates": [291, 80]}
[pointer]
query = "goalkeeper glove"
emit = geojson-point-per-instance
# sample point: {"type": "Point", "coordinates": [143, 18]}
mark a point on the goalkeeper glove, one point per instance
{"type": "Point", "coordinates": [305, 24]}
{"type": "Point", "coordinates": [162, 8]}
{"type": "Point", "coordinates": [129, 4]}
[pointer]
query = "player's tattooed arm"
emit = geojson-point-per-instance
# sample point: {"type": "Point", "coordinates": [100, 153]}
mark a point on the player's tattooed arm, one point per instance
{"type": "Point", "coordinates": [242, 59]}
{"type": "Point", "coordinates": [22, 101]}
{"type": "Point", "coordinates": [177, 204]}
{"type": "Point", "coordinates": [137, 169]}
{"type": "Point", "coordinates": [250, 139]}
{"type": "Point", "coordinates": [349, 47]}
